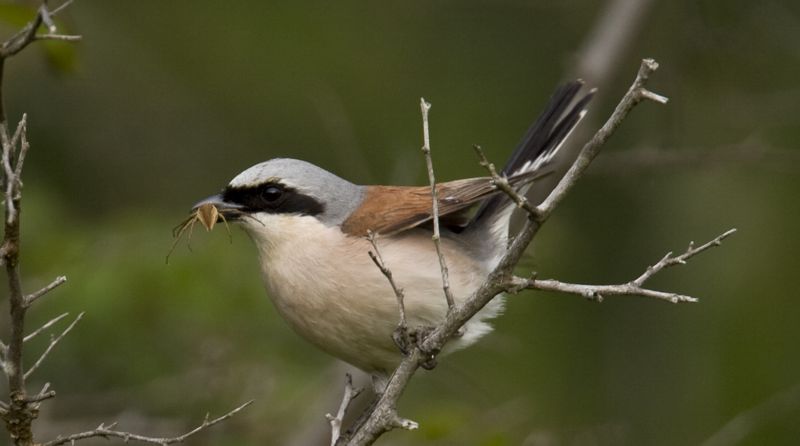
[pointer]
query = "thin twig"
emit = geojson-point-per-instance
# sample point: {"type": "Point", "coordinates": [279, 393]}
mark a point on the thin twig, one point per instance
{"type": "Point", "coordinates": [104, 431]}
{"type": "Point", "coordinates": [31, 298]}
{"type": "Point", "coordinates": [501, 183]}
{"type": "Point", "coordinates": [44, 394]}
{"type": "Point", "coordinates": [52, 344]}
{"type": "Point", "coordinates": [632, 288]}
{"type": "Point", "coordinates": [20, 135]}
{"type": "Point", "coordinates": [60, 8]}
{"type": "Point", "coordinates": [59, 37]}
{"type": "Point", "coordinates": [426, 150]}
{"type": "Point", "coordinates": [350, 393]}
{"type": "Point", "coordinates": [44, 327]}
{"type": "Point", "coordinates": [398, 292]}
{"type": "Point", "coordinates": [668, 260]}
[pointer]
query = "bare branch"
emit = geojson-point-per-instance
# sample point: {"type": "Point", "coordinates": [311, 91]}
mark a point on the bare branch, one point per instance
{"type": "Point", "coordinates": [20, 135]}
{"type": "Point", "coordinates": [383, 415]}
{"type": "Point", "coordinates": [50, 347]}
{"type": "Point", "coordinates": [104, 431]}
{"type": "Point", "coordinates": [636, 93]}
{"type": "Point", "coordinates": [350, 393]}
{"type": "Point", "coordinates": [632, 288]}
{"type": "Point", "coordinates": [60, 37]}
{"type": "Point", "coordinates": [60, 8]}
{"type": "Point", "coordinates": [31, 298]}
{"type": "Point", "coordinates": [44, 327]}
{"type": "Point", "coordinates": [502, 183]}
{"type": "Point", "coordinates": [44, 394]}
{"type": "Point", "coordinates": [426, 150]}
{"type": "Point", "coordinates": [398, 292]}
{"type": "Point", "coordinates": [668, 260]}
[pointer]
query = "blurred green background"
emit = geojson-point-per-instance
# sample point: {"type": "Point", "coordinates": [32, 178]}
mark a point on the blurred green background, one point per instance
{"type": "Point", "coordinates": [163, 102]}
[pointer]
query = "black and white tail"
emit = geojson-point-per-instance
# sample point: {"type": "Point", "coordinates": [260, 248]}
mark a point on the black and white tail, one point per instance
{"type": "Point", "coordinates": [534, 154]}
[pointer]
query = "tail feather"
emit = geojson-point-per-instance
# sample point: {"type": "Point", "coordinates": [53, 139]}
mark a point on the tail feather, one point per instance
{"type": "Point", "coordinates": [538, 147]}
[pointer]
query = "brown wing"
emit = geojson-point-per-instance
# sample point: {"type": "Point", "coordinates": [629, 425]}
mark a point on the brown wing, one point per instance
{"type": "Point", "coordinates": [391, 209]}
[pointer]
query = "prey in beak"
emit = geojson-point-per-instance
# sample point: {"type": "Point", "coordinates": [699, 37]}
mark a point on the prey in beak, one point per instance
{"type": "Point", "coordinates": [208, 212]}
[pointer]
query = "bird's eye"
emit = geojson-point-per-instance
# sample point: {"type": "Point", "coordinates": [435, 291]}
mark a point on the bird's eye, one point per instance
{"type": "Point", "coordinates": [271, 194]}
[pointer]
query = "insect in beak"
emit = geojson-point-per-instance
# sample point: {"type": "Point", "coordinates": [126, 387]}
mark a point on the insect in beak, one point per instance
{"type": "Point", "coordinates": [208, 212]}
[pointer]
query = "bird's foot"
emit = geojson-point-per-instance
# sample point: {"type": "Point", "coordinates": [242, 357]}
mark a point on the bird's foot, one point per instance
{"type": "Point", "coordinates": [429, 357]}
{"type": "Point", "coordinates": [405, 338]}
{"type": "Point", "coordinates": [402, 339]}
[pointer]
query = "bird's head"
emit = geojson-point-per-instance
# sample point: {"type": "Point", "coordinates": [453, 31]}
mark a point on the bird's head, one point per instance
{"type": "Point", "coordinates": [284, 189]}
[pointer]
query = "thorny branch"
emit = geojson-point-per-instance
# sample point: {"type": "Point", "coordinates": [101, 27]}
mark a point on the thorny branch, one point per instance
{"type": "Point", "coordinates": [21, 410]}
{"type": "Point", "coordinates": [383, 416]}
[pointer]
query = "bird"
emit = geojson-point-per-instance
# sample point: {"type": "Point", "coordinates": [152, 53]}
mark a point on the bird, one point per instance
{"type": "Point", "coordinates": [310, 229]}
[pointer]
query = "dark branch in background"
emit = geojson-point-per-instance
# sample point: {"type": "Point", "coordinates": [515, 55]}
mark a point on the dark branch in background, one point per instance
{"type": "Point", "coordinates": [21, 409]}
{"type": "Point", "coordinates": [383, 416]}
{"type": "Point", "coordinates": [736, 430]}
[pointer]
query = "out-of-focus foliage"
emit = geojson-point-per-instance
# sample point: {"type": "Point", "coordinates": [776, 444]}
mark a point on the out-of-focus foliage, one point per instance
{"type": "Point", "coordinates": [169, 100]}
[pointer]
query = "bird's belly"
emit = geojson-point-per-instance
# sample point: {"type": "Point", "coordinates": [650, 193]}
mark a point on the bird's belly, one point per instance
{"type": "Point", "coordinates": [336, 298]}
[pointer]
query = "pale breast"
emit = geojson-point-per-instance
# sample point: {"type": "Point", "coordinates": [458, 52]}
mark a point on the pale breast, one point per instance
{"type": "Point", "coordinates": [325, 285]}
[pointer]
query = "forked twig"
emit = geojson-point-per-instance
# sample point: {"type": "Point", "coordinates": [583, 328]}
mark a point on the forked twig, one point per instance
{"type": "Point", "coordinates": [350, 393]}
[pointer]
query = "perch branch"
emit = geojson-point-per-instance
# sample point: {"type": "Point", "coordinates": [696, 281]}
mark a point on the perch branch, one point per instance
{"type": "Point", "coordinates": [104, 431]}
{"type": "Point", "coordinates": [383, 415]}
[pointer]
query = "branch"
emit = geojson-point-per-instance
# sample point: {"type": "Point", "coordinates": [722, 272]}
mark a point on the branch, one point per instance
{"type": "Point", "coordinates": [44, 394]}
{"type": "Point", "coordinates": [383, 416]}
{"type": "Point", "coordinates": [60, 37]}
{"type": "Point", "coordinates": [350, 393]}
{"type": "Point", "coordinates": [501, 182]}
{"type": "Point", "coordinates": [636, 94]}
{"type": "Point", "coordinates": [109, 432]}
{"type": "Point", "coordinates": [30, 298]}
{"type": "Point", "coordinates": [668, 260]}
{"type": "Point", "coordinates": [400, 335]}
{"type": "Point", "coordinates": [50, 347]}
{"type": "Point", "coordinates": [44, 327]}
{"type": "Point", "coordinates": [426, 150]}
{"type": "Point", "coordinates": [632, 288]}
{"type": "Point", "coordinates": [736, 430]}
